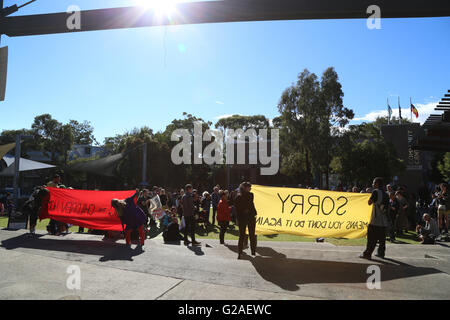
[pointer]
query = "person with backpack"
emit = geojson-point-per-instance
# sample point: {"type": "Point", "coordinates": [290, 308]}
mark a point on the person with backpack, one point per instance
{"type": "Point", "coordinates": [376, 231]}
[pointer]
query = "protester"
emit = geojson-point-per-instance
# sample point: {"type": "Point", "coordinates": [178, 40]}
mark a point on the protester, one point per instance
{"type": "Point", "coordinates": [172, 233]}
{"type": "Point", "coordinates": [389, 189]}
{"type": "Point", "coordinates": [166, 219]}
{"type": "Point", "coordinates": [443, 207]}
{"type": "Point", "coordinates": [163, 198]}
{"type": "Point", "coordinates": [189, 215]}
{"type": "Point", "coordinates": [179, 206]}
{"type": "Point", "coordinates": [433, 206]}
{"type": "Point", "coordinates": [402, 218]}
{"type": "Point", "coordinates": [206, 206]}
{"type": "Point", "coordinates": [55, 227]}
{"type": "Point", "coordinates": [231, 201]}
{"type": "Point", "coordinates": [393, 214]}
{"type": "Point", "coordinates": [246, 216]}
{"type": "Point", "coordinates": [223, 215]}
{"type": "Point", "coordinates": [132, 216]}
{"type": "Point", "coordinates": [56, 181]}
{"type": "Point", "coordinates": [144, 203]}
{"type": "Point", "coordinates": [215, 198]}
{"type": "Point", "coordinates": [376, 231]}
{"type": "Point", "coordinates": [33, 205]}
{"type": "Point", "coordinates": [429, 231]}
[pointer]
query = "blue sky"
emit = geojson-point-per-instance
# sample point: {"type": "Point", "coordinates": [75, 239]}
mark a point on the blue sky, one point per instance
{"type": "Point", "coordinates": [121, 79]}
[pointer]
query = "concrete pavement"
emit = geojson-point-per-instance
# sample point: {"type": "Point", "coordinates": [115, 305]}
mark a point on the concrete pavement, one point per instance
{"type": "Point", "coordinates": [37, 269]}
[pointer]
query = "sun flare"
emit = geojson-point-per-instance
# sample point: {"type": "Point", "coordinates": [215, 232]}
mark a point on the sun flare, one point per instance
{"type": "Point", "coordinates": [161, 7]}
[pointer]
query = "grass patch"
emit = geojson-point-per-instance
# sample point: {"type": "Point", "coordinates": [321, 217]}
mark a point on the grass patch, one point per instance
{"type": "Point", "coordinates": [233, 234]}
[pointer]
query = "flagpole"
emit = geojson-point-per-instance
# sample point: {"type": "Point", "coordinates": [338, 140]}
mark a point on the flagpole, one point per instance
{"type": "Point", "coordinates": [389, 118]}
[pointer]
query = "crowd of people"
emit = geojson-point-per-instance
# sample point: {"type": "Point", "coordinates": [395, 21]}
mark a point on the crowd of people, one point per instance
{"type": "Point", "coordinates": [182, 213]}
{"type": "Point", "coordinates": [395, 212]}
{"type": "Point", "coordinates": [389, 217]}
{"type": "Point", "coordinates": [187, 209]}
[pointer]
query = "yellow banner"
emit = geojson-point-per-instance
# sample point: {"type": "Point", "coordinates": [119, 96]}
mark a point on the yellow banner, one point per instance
{"type": "Point", "coordinates": [311, 213]}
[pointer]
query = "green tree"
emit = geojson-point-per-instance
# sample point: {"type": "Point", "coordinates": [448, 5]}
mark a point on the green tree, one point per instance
{"type": "Point", "coordinates": [243, 122]}
{"type": "Point", "coordinates": [9, 136]}
{"type": "Point", "coordinates": [444, 166]}
{"type": "Point", "coordinates": [394, 120]}
{"type": "Point", "coordinates": [83, 132]}
{"type": "Point", "coordinates": [45, 130]}
{"type": "Point", "coordinates": [311, 111]}
{"type": "Point", "coordinates": [363, 153]}
{"type": "Point", "coordinates": [64, 141]}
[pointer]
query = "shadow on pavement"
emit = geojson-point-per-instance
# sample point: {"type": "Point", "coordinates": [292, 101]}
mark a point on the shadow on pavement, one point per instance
{"type": "Point", "coordinates": [108, 250]}
{"type": "Point", "coordinates": [197, 250]}
{"type": "Point", "coordinates": [289, 274]}
{"type": "Point", "coordinates": [122, 253]}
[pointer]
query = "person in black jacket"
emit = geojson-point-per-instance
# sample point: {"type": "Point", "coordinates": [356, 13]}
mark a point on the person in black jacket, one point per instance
{"type": "Point", "coordinates": [246, 216]}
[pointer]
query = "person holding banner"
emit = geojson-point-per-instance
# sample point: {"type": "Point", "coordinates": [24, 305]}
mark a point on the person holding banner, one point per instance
{"type": "Point", "coordinates": [144, 203]}
{"type": "Point", "coordinates": [376, 231]}
{"type": "Point", "coordinates": [132, 216]}
{"type": "Point", "coordinates": [246, 216]}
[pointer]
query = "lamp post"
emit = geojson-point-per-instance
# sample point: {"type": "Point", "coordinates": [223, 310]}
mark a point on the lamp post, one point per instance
{"type": "Point", "coordinates": [19, 139]}
{"type": "Point", "coordinates": [144, 182]}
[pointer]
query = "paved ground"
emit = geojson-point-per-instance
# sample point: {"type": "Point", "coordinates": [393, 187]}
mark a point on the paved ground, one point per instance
{"type": "Point", "coordinates": [37, 269]}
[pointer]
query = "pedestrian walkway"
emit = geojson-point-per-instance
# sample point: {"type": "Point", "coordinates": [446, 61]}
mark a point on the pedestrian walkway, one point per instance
{"type": "Point", "coordinates": [37, 269]}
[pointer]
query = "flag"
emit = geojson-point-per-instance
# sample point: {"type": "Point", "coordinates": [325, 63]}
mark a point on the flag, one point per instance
{"type": "Point", "coordinates": [389, 112]}
{"type": "Point", "coordinates": [414, 110]}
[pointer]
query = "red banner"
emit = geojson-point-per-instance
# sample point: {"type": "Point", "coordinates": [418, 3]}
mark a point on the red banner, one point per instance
{"type": "Point", "coordinates": [84, 208]}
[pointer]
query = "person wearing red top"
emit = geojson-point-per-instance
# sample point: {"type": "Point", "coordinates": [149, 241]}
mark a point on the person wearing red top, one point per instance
{"type": "Point", "coordinates": [223, 215]}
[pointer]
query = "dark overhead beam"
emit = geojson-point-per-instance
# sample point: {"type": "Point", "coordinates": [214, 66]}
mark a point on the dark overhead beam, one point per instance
{"type": "Point", "coordinates": [223, 11]}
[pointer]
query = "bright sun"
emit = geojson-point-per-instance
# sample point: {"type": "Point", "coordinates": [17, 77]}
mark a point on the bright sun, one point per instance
{"type": "Point", "coordinates": [161, 7]}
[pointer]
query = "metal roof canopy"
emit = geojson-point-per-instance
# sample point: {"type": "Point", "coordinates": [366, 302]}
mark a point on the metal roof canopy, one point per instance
{"type": "Point", "coordinates": [221, 11]}
{"type": "Point", "coordinates": [437, 131]}
{"type": "Point", "coordinates": [25, 165]}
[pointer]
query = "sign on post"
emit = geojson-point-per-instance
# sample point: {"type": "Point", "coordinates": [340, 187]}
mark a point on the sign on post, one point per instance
{"type": "Point", "coordinates": [3, 71]}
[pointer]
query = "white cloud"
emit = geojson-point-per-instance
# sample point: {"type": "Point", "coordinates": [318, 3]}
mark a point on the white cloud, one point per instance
{"type": "Point", "coordinates": [224, 116]}
{"type": "Point", "coordinates": [424, 111]}
{"type": "Point", "coordinates": [220, 102]}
